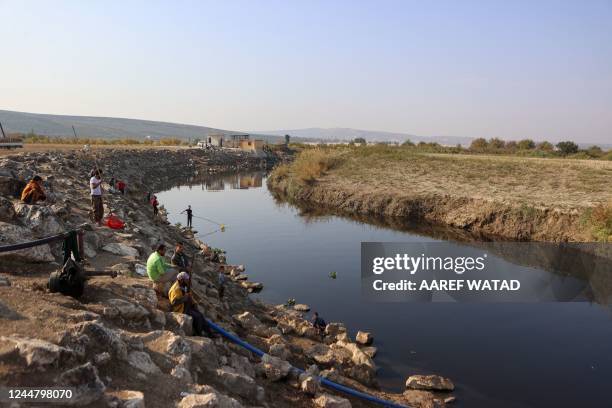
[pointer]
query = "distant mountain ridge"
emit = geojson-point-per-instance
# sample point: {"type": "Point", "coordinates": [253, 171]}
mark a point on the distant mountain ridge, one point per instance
{"type": "Point", "coordinates": [105, 127]}
{"type": "Point", "coordinates": [346, 134]}
{"type": "Point", "coordinates": [119, 128]}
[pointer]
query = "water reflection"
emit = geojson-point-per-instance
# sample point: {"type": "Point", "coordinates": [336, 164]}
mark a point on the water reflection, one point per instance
{"type": "Point", "coordinates": [563, 347]}
{"type": "Point", "coordinates": [234, 181]}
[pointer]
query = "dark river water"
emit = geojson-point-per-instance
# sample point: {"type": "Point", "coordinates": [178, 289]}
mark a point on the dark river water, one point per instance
{"type": "Point", "coordinates": [547, 354]}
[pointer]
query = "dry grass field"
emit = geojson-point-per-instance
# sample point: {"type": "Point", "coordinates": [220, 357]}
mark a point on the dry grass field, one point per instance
{"type": "Point", "coordinates": [573, 187]}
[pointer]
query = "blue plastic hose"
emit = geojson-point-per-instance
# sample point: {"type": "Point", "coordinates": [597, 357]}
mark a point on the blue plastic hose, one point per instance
{"type": "Point", "coordinates": [324, 381]}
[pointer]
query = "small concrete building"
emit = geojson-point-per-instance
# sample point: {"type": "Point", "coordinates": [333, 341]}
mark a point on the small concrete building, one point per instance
{"type": "Point", "coordinates": [235, 140]}
{"type": "Point", "coordinates": [251, 145]}
{"type": "Point", "coordinates": [215, 140]}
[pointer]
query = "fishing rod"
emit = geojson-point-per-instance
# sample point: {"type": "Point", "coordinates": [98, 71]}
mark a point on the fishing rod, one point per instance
{"type": "Point", "coordinates": [209, 220]}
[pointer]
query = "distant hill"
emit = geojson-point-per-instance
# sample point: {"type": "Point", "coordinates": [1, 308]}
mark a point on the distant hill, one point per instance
{"type": "Point", "coordinates": [107, 128]}
{"type": "Point", "coordinates": [345, 134]}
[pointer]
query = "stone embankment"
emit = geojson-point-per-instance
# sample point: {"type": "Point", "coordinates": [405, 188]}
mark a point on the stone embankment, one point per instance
{"type": "Point", "coordinates": [118, 345]}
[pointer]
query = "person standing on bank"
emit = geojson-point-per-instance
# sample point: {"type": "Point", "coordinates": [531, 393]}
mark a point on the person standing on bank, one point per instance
{"type": "Point", "coordinates": [97, 207]}
{"type": "Point", "coordinates": [189, 212]}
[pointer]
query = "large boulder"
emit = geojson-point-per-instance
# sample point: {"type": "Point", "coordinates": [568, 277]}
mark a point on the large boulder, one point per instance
{"type": "Point", "coordinates": [180, 323]}
{"type": "Point", "coordinates": [129, 398]}
{"type": "Point", "coordinates": [241, 364]}
{"type": "Point", "coordinates": [88, 388]}
{"type": "Point", "coordinates": [141, 360]}
{"type": "Point", "coordinates": [36, 352]}
{"type": "Point", "coordinates": [421, 399]}
{"type": "Point", "coordinates": [209, 400]}
{"type": "Point", "coordinates": [274, 368]}
{"type": "Point", "coordinates": [239, 384]}
{"type": "Point", "coordinates": [309, 385]}
{"type": "Point", "coordinates": [40, 219]}
{"type": "Point", "coordinates": [300, 307]}
{"type": "Point", "coordinates": [357, 355]}
{"type": "Point", "coordinates": [204, 352]}
{"type": "Point", "coordinates": [102, 338]}
{"type": "Point", "coordinates": [249, 322]}
{"type": "Point", "coordinates": [128, 310]}
{"type": "Point", "coordinates": [364, 338]}
{"type": "Point", "coordinates": [429, 382]}
{"type": "Point", "coordinates": [331, 401]}
{"type": "Point", "coordinates": [7, 212]}
{"type": "Point", "coordinates": [121, 249]}
{"type": "Point", "coordinates": [11, 187]}
{"type": "Point", "coordinates": [15, 234]}
{"type": "Point", "coordinates": [333, 329]}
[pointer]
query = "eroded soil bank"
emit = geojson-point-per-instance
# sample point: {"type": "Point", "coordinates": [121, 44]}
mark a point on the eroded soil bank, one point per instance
{"type": "Point", "coordinates": [500, 197]}
{"type": "Point", "coordinates": [118, 345]}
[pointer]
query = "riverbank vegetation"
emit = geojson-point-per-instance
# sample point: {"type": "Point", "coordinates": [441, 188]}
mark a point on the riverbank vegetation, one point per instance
{"type": "Point", "coordinates": [498, 147]}
{"type": "Point", "coordinates": [515, 196]}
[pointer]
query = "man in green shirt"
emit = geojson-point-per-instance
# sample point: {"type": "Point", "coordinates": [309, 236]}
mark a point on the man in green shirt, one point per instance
{"type": "Point", "coordinates": [159, 271]}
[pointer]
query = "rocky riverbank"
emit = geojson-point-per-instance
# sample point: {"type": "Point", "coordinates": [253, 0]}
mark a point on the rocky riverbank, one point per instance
{"type": "Point", "coordinates": [118, 346]}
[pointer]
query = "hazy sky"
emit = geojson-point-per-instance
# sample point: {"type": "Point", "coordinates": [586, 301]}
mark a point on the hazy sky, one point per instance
{"type": "Point", "coordinates": [511, 69]}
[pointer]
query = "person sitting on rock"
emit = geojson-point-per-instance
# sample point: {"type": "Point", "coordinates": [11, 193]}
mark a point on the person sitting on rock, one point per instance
{"type": "Point", "coordinates": [318, 323]}
{"type": "Point", "coordinates": [182, 302]}
{"type": "Point", "coordinates": [33, 191]}
{"type": "Point", "coordinates": [180, 260]}
{"type": "Point", "coordinates": [159, 271]}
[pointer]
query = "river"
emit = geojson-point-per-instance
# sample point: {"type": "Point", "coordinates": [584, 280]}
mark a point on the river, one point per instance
{"type": "Point", "coordinates": [546, 354]}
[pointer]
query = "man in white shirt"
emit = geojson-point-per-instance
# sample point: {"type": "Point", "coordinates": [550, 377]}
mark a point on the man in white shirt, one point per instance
{"type": "Point", "coordinates": [95, 185]}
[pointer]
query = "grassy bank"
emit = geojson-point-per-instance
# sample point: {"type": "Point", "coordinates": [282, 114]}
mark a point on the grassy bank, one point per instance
{"type": "Point", "coordinates": [515, 197]}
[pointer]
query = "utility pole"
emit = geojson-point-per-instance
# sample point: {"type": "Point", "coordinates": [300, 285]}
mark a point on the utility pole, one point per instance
{"type": "Point", "coordinates": [3, 134]}
{"type": "Point", "coordinates": [74, 131]}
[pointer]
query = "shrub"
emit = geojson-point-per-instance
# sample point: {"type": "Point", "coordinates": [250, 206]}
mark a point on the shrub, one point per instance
{"type": "Point", "coordinates": [526, 144]}
{"type": "Point", "coordinates": [170, 141]}
{"type": "Point", "coordinates": [594, 151]}
{"type": "Point", "coordinates": [567, 147]}
{"type": "Point", "coordinates": [545, 146]}
{"type": "Point", "coordinates": [511, 145]}
{"type": "Point", "coordinates": [313, 163]}
{"type": "Point", "coordinates": [479, 145]}
{"type": "Point", "coordinates": [496, 144]}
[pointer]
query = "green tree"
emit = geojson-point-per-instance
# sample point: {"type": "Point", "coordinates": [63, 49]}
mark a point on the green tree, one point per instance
{"type": "Point", "coordinates": [479, 144]}
{"type": "Point", "coordinates": [511, 145]}
{"type": "Point", "coordinates": [526, 144]}
{"type": "Point", "coordinates": [545, 146]}
{"type": "Point", "coordinates": [496, 143]}
{"type": "Point", "coordinates": [408, 143]}
{"type": "Point", "coordinates": [595, 151]}
{"type": "Point", "coordinates": [360, 140]}
{"type": "Point", "coordinates": [567, 147]}
{"type": "Point", "coordinates": [287, 139]}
